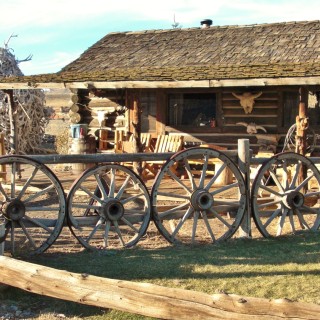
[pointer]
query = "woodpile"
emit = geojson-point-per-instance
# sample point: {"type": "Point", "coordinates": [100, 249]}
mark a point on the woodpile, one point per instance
{"type": "Point", "coordinates": [28, 110]}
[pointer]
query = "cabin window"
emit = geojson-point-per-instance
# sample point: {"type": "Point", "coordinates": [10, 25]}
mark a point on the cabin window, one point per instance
{"type": "Point", "coordinates": [192, 109]}
{"type": "Point", "coordinates": [149, 111]}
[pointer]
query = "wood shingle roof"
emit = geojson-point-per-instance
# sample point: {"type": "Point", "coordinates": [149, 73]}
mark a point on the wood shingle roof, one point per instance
{"type": "Point", "coordinates": [262, 51]}
{"type": "Point", "coordinates": [294, 42]}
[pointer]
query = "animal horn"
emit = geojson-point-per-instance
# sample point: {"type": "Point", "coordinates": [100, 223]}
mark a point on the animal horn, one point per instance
{"type": "Point", "coordinates": [242, 124]}
{"type": "Point", "coordinates": [261, 128]}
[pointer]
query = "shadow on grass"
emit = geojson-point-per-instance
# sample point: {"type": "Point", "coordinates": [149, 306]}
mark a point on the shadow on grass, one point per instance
{"type": "Point", "coordinates": [177, 262]}
{"type": "Point", "coordinates": [171, 262]}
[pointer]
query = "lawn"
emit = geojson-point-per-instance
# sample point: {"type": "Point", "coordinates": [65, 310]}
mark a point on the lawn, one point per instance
{"type": "Point", "coordinates": [286, 267]}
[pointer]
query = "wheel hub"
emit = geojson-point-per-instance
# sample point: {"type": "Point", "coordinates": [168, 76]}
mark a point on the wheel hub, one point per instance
{"type": "Point", "coordinates": [113, 210]}
{"type": "Point", "coordinates": [14, 210]}
{"type": "Point", "coordinates": [293, 199]}
{"type": "Point", "coordinates": [201, 199]}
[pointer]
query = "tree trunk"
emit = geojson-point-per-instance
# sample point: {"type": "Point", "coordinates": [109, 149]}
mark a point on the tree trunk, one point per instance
{"type": "Point", "coordinates": [147, 299]}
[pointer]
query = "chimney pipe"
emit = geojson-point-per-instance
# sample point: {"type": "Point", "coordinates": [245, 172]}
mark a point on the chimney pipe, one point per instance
{"type": "Point", "coordinates": [206, 23]}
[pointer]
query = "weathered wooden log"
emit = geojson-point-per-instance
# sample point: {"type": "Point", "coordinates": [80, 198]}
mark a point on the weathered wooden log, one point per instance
{"type": "Point", "coordinates": [146, 299]}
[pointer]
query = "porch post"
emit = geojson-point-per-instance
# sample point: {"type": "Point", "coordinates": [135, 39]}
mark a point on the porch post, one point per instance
{"type": "Point", "coordinates": [244, 166]}
{"type": "Point", "coordinates": [136, 124]}
{"type": "Point", "coordinates": [302, 122]}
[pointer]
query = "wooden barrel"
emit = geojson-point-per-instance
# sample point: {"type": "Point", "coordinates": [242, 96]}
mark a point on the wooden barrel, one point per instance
{"type": "Point", "coordinates": [78, 146]}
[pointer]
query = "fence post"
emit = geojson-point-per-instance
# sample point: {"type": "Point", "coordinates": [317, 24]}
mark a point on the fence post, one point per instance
{"type": "Point", "coordinates": [244, 166]}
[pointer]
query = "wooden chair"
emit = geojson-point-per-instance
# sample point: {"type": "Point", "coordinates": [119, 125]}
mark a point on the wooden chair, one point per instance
{"type": "Point", "coordinates": [127, 146]}
{"type": "Point", "coordinates": [124, 145]}
{"type": "Point", "coordinates": [164, 143]}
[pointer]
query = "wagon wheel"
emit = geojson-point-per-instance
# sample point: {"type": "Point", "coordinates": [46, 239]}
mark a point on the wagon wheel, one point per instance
{"type": "Point", "coordinates": [32, 203]}
{"type": "Point", "coordinates": [290, 140]}
{"type": "Point", "coordinates": [198, 197]}
{"type": "Point", "coordinates": [282, 202]}
{"type": "Point", "coordinates": [108, 207]}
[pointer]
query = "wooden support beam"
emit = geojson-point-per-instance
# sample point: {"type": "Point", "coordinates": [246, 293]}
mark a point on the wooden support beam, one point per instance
{"type": "Point", "coordinates": [147, 299]}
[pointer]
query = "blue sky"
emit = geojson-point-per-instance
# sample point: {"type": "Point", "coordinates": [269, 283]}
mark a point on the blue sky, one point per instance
{"type": "Point", "coordinates": [56, 32]}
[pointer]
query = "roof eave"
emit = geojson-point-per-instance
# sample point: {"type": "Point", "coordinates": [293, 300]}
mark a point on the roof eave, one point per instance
{"type": "Point", "coordinates": [214, 83]}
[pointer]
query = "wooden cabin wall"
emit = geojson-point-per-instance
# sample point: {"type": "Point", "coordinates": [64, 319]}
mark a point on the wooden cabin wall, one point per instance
{"type": "Point", "coordinates": [232, 120]}
{"type": "Point", "coordinates": [265, 111]}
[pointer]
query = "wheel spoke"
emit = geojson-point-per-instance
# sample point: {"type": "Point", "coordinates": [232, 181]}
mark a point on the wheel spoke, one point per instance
{"type": "Point", "coordinates": [291, 220]}
{"type": "Point", "coordinates": [204, 171]}
{"type": "Point", "coordinates": [276, 180]}
{"type": "Point", "coordinates": [163, 214]}
{"type": "Point", "coordinates": [217, 215]}
{"type": "Point", "coordinates": [40, 193]}
{"type": "Point", "coordinates": [182, 221]}
{"type": "Point", "coordinates": [303, 183]}
{"type": "Point", "coordinates": [94, 230]}
{"type": "Point", "coordinates": [132, 198]}
{"type": "Point", "coordinates": [302, 221]}
{"type": "Point", "coordinates": [178, 180]}
{"type": "Point", "coordinates": [104, 195]}
{"type": "Point", "coordinates": [272, 217]}
{"type": "Point", "coordinates": [86, 206]}
{"type": "Point", "coordinates": [215, 177]}
{"type": "Point", "coordinates": [296, 174]}
{"type": "Point", "coordinates": [13, 179]}
{"type": "Point", "coordinates": [112, 183]}
{"type": "Point", "coordinates": [194, 226]}
{"type": "Point", "coordinates": [206, 221]}
{"type": "Point", "coordinates": [118, 231]}
{"type": "Point", "coordinates": [128, 223]}
{"type": "Point", "coordinates": [172, 196]}
{"type": "Point", "coordinates": [106, 233]}
{"type": "Point", "coordinates": [189, 172]}
{"type": "Point", "coordinates": [42, 209]}
{"type": "Point", "coordinates": [23, 190]}
{"type": "Point", "coordinates": [38, 223]}
{"type": "Point", "coordinates": [281, 221]}
{"type": "Point", "coordinates": [286, 175]}
{"type": "Point", "coordinates": [123, 187]}
{"type": "Point", "coordinates": [5, 196]}
{"type": "Point", "coordinates": [225, 188]}
{"type": "Point", "coordinates": [27, 234]}
{"type": "Point", "coordinates": [91, 194]}
{"type": "Point", "coordinates": [267, 204]}
{"type": "Point", "coordinates": [270, 190]}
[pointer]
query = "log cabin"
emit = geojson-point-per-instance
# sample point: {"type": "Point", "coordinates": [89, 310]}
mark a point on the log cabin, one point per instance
{"type": "Point", "coordinates": [211, 84]}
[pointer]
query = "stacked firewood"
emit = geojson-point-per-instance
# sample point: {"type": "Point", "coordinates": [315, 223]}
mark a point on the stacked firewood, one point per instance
{"type": "Point", "coordinates": [28, 110]}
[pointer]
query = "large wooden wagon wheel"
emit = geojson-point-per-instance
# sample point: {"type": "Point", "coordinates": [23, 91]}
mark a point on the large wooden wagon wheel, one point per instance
{"type": "Point", "coordinates": [32, 203]}
{"type": "Point", "coordinates": [198, 197]}
{"type": "Point", "coordinates": [283, 199]}
{"type": "Point", "coordinates": [108, 207]}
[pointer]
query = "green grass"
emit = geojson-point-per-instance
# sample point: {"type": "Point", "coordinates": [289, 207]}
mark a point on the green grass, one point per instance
{"type": "Point", "coordinates": [286, 267]}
